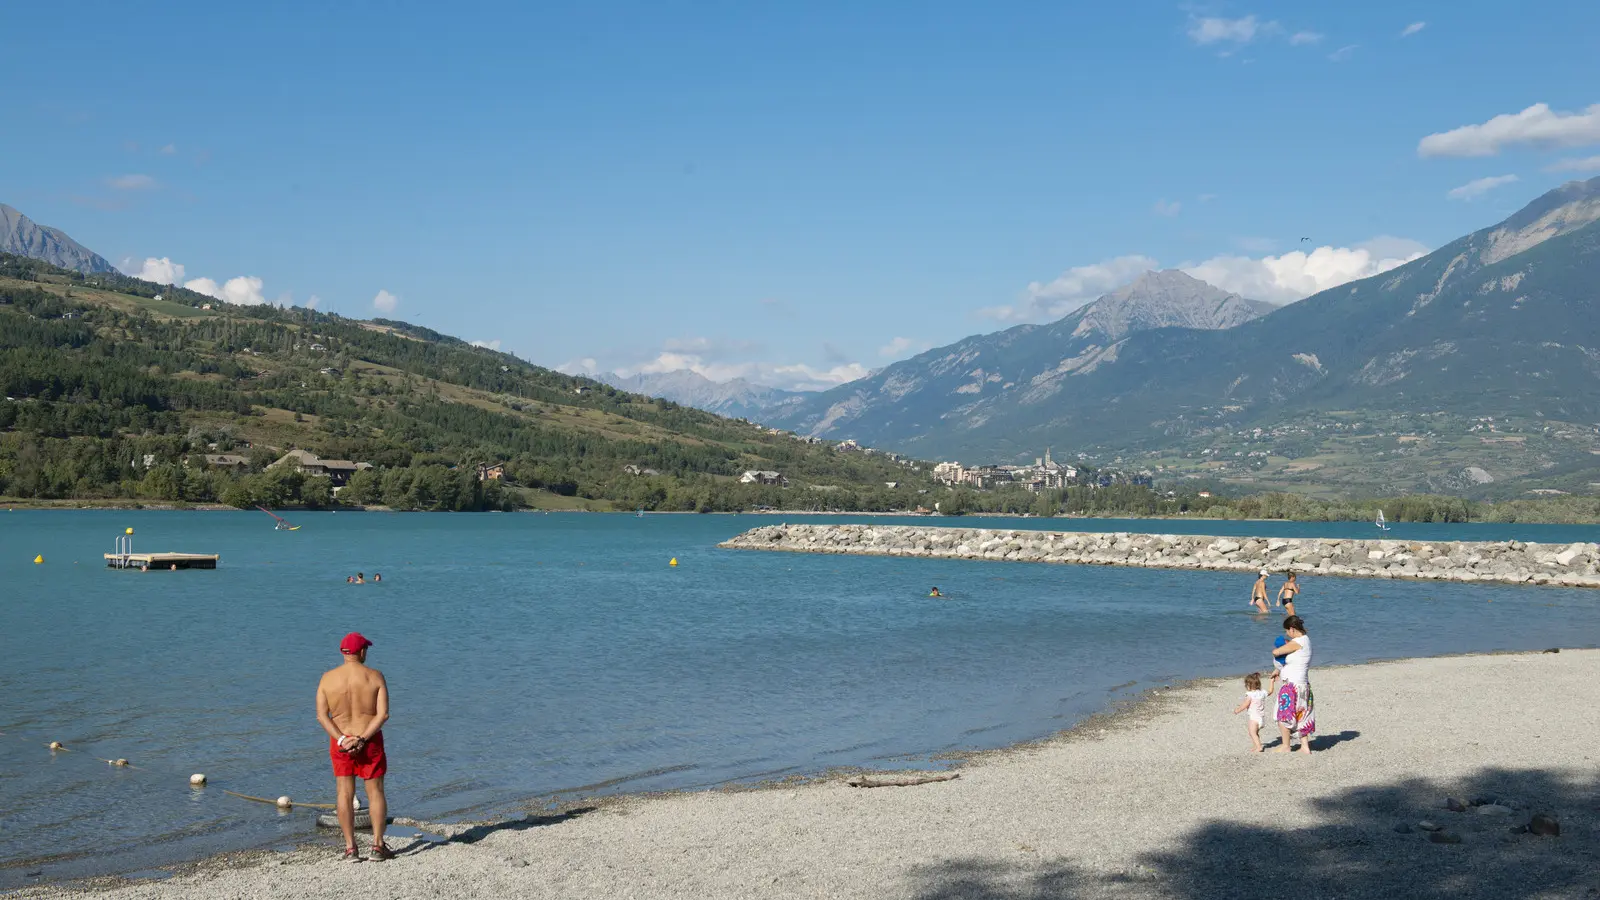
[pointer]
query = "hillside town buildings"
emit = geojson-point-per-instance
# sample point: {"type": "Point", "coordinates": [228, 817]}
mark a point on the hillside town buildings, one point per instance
{"type": "Point", "coordinates": [1045, 474]}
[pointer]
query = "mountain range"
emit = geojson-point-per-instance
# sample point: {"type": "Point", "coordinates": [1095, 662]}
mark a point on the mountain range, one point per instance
{"type": "Point", "coordinates": [24, 237]}
{"type": "Point", "coordinates": [958, 388]}
{"type": "Point", "coordinates": [735, 398]}
{"type": "Point", "coordinates": [1475, 368]}
{"type": "Point", "coordinates": [1483, 355]}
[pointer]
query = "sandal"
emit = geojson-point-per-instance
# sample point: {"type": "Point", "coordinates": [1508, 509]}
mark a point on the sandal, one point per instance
{"type": "Point", "coordinates": [382, 852]}
{"type": "Point", "coordinates": [351, 854]}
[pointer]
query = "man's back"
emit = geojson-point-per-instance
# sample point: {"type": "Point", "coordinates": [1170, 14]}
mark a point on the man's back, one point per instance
{"type": "Point", "coordinates": [351, 693]}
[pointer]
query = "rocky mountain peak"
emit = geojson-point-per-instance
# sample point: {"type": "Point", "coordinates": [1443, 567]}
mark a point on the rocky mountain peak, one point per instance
{"type": "Point", "coordinates": [24, 237]}
{"type": "Point", "coordinates": [1561, 211]}
{"type": "Point", "coordinates": [1164, 299]}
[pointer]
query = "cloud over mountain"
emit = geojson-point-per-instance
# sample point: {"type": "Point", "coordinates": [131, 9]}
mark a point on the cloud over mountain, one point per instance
{"type": "Point", "coordinates": [1477, 187]}
{"type": "Point", "coordinates": [1537, 125]}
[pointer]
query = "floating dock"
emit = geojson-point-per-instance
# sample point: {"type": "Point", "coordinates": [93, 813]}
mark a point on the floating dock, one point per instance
{"type": "Point", "coordinates": [162, 561]}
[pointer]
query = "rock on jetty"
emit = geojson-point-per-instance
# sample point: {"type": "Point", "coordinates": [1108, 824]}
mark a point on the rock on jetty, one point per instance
{"type": "Point", "coordinates": [1511, 562]}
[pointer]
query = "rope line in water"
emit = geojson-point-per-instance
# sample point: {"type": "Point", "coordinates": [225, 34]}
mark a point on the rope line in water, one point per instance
{"type": "Point", "coordinates": [58, 747]}
{"type": "Point", "coordinates": [275, 803]}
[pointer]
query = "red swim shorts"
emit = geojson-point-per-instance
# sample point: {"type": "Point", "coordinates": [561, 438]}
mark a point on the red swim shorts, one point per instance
{"type": "Point", "coordinates": [367, 763]}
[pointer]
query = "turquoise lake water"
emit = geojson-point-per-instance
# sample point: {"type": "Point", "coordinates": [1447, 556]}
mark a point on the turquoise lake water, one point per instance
{"type": "Point", "coordinates": [555, 656]}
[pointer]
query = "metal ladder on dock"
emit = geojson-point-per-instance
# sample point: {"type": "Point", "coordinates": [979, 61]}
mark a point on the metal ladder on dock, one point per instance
{"type": "Point", "coordinates": [124, 552]}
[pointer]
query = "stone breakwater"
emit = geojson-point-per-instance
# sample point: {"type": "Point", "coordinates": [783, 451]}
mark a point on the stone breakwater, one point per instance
{"type": "Point", "coordinates": [1510, 562]}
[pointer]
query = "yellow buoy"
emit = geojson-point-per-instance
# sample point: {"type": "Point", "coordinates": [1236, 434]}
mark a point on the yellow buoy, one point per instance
{"type": "Point", "coordinates": [197, 779]}
{"type": "Point", "coordinates": [674, 561]}
{"type": "Point", "coordinates": [129, 531]}
{"type": "Point", "coordinates": [117, 762]}
{"type": "Point", "coordinates": [37, 560]}
{"type": "Point", "coordinates": [285, 802]}
{"type": "Point", "coordinates": [56, 745]}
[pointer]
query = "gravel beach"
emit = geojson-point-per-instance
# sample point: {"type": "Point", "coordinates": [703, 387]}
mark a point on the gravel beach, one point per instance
{"type": "Point", "coordinates": [1162, 799]}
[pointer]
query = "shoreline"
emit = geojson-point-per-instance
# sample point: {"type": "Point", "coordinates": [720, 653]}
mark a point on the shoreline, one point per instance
{"type": "Point", "coordinates": [548, 843]}
{"type": "Point", "coordinates": [164, 506]}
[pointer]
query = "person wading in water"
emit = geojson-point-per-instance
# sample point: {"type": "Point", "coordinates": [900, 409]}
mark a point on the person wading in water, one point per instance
{"type": "Point", "coordinates": [1258, 594]}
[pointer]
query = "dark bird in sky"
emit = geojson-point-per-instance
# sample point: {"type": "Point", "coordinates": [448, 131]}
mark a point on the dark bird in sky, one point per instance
{"type": "Point", "coordinates": [1303, 240]}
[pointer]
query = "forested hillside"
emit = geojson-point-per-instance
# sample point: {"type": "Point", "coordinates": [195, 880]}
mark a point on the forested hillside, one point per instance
{"type": "Point", "coordinates": [118, 388]}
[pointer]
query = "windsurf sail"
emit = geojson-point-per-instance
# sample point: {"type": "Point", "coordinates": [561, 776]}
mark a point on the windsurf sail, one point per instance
{"type": "Point", "coordinates": [282, 523]}
{"type": "Point", "coordinates": [1382, 525]}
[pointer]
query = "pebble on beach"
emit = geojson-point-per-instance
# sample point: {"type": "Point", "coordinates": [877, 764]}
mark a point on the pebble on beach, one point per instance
{"type": "Point", "coordinates": [1544, 826]}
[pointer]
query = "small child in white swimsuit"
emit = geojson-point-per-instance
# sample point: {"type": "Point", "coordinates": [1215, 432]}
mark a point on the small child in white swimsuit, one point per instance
{"type": "Point", "coordinates": [1255, 701]}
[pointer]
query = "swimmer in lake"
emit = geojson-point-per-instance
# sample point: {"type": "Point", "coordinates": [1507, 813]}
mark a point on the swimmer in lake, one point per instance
{"type": "Point", "coordinates": [377, 577]}
{"type": "Point", "coordinates": [1258, 594]}
{"type": "Point", "coordinates": [934, 592]}
{"type": "Point", "coordinates": [361, 578]}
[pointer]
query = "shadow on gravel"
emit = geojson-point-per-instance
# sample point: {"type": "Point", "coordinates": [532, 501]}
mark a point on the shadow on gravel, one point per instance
{"type": "Point", "coordinates": [1368, 844]}
{"type": "Point", "coordinates": [479, 832]}
{"type": "Point", "coordinates": [1326, 741]}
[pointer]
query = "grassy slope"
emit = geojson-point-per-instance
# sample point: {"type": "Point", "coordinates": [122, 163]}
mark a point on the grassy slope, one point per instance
{"type": "Point", "coordinates": [379, 373]}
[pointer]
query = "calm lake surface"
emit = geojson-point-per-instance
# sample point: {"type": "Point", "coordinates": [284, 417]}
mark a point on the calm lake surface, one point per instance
{"type": "Point", "coordinates": [551, 656]}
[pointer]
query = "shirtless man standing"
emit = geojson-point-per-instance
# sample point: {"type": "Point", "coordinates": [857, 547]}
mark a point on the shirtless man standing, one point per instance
{"type": "Point", "coordinates": [352, 705]}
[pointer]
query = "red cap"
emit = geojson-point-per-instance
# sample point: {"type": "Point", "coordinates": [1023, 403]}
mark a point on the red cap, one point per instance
{"type": "Point", "coordinates": [354, 643]}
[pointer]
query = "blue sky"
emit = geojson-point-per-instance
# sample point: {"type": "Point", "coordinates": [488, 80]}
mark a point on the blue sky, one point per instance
{"type": "Point", "coordinates": [795, 193]}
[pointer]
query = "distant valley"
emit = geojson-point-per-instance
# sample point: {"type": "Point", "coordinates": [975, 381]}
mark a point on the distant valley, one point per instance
{"type": "Point", "coordinates": [736, 398]}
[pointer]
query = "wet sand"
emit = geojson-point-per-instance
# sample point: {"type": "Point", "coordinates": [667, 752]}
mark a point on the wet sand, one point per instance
{"type": "Point", "coordinates": [1162, 799]}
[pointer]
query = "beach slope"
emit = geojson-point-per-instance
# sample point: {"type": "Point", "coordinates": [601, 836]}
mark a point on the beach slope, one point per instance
{"type": "Point", "coordinates": [1160, 800]}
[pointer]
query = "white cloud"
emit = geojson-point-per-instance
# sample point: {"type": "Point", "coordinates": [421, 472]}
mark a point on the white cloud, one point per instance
{"type": "Point", "coordinates": [900, 346]}
{"type": "Point", "coordinates": [801, 377]}
{"type": "Point", "coordinates": [1413, 28]}
{"type": "Point", "coordinates": [159, 271]}
{"type": "Point", "coordinates": [1301, 38]}
{"type": "Point", "coordinates": [1537, 124]}
{"type": "Point", "coordinates": [487, 345]}
{"type": "Point", "coordinates": [1477, 187]}
{"type": "Point", "coordinates": [131, 182]}
{"type": "Point", "coordinates": [895, 347]}
{"type": "Point", "coordinates": [786, 376]}
{"type": "Point", "coordinates": [168, 150]}
{"type": "Point", "coordinates": [1163, 208]}
{"type": "Point", "coordinates": [1295, 276]}
{"type": "Point", "coordinates": [243, 290]}
{"type": "Point", "coordinates": [1214, 30]}
{"type": "Point", "coordinates": [588, 365]}
{"type": "Point", "coordinates": [1588, 164]}
{"type": "Point", "coordinates": [1343, 53]}
{"type": "Point", "coordinates": [385, 302]}
{"type": "Point", "coordinates": [1206, 198]}
{"type": "Point", "coordinates": [1043, 302]}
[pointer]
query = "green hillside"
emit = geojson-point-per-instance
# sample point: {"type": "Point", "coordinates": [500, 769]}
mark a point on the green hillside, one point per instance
{"type": "Point", "coordinates": [112, 393]}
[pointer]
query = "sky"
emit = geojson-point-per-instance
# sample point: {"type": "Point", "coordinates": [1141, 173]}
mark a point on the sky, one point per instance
{"type": "Point", "coordinates": [792, 193]}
